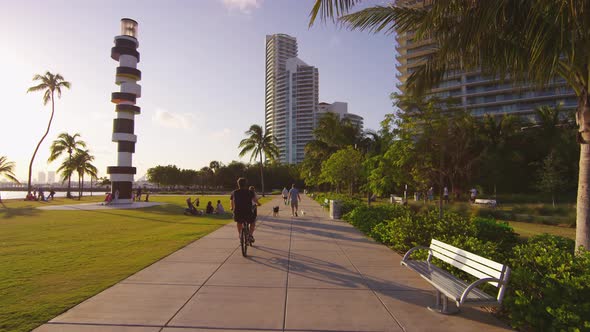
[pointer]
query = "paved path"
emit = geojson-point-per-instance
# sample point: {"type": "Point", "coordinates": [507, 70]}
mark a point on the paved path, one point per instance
{"type": "Point", "coordinates": [305, 274]}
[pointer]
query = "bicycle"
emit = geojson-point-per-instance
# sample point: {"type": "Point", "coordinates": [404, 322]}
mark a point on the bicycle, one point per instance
{"type": "Point", "coordinates": [245, 239]}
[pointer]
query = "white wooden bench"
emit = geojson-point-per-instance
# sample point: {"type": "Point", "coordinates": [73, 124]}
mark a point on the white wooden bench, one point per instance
{"type": "Point", "coordinates": [488, 202]}
{"type": "Point", "coordinates": [396, 200]}
{"type": "Point", "coordinates": [463, 293]}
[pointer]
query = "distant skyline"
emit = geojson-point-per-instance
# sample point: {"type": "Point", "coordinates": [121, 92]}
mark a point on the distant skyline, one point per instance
{"type": "Point", "coordinates": [203, 75]}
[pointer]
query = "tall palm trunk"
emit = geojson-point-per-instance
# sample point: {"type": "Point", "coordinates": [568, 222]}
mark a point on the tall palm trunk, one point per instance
{"type": "Point", "coordinates": [583, 203]}
{"type": "Point", "coordinates": [261, 175]}
{"type": "Point", "coordinates": [81, 187]}
{"type": "Point", "coordinates": [69, 194]}
{"type": "Point", "coordinates": [39, 144]}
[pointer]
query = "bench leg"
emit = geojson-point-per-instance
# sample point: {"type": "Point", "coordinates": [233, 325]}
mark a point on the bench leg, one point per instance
{"type": "Point", "coordinates": [442, 305]}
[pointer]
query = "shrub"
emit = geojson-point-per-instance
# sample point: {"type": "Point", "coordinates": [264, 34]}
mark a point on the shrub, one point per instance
{"type": "Point", "coordinates": [365, 218]}
{"type": "Point", "coordinates": [409, 230]}
{"type": "Point", "coordinates": [403, 232]}
{"type": "Point", "coordinates": [550, 287]}
{"type": "Point", "coordinates": [348, 203]}
{"type": "Point", "coordinates": [499, 232]}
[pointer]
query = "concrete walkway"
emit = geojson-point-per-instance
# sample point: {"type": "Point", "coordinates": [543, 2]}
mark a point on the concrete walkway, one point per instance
{"type": "Point", "coordinates": [304, 274]}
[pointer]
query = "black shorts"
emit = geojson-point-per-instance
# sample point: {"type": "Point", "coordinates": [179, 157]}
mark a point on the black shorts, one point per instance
{"type": "Point", "coordinates": [249, 217]}
{"type": "Point", "coordinates": [242, 221]}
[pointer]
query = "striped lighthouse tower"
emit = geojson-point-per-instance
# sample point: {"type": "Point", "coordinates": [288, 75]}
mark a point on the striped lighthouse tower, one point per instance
{"type": "Point", "coordinates": [125, 51]}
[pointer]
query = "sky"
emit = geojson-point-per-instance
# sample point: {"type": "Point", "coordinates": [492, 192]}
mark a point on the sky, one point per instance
{"type": "Point", "coordinates": [203, 67]}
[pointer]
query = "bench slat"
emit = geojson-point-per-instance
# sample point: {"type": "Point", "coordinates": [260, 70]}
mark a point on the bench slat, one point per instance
{"type": "Point", "coordinates": [461, 262]}
{"type": "Point", "coordinates": [466, 268]}
{"type": "Point", "coordinates": [447, 283]}
{"type": "Point", "coordinates": [472, 256]}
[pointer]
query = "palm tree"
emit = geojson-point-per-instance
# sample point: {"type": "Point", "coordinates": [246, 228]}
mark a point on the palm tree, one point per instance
{"type": "Point", "coordinates": [50, 84]}
{"type": "Point", "coordinates": [7, 169]}
{"type": "Point", "coordinates": [66, 143]}
{"type": "Point", "coordinates": [550, 121]}
{"type": "Point", "coordinates": [82, 163]}
{"type": "Point", "coordinates": [214, 165]}
{"type": "Point", "coordinates": [66, 169]}
{"type": "Point", "coordinates": [258, 143]}
{"type": "Point", "coordinates": [535, 41]}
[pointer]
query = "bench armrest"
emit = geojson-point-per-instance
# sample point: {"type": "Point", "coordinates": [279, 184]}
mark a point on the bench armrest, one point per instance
{"type": "Point", "coordinates": [407, 255]}
{"type": "Point", "coordinates": [475, 284]}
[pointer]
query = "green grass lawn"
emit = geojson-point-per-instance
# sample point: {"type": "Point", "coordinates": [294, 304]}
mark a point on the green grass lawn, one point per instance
{"type": "Point", "coordinates": [52, 260]}
{"type": "Point", "coordinates": [527, 230]}
{"type": "Point", "coordinates": [536, 214]}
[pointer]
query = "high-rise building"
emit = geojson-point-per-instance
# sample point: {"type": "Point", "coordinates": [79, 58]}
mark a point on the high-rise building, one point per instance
{"type": "Point", "coordinates": [51, 177]}
{"type": "Point", "coordinates": [341, 109]}
{"type": "Point", "coordinates": [478, 93]}
{"type": "Point", "coordinates": [41, 177]}
{"type": "Point", "coordinates": [302, 104]}
{"type": "Point", "coordinates": [291, 98]}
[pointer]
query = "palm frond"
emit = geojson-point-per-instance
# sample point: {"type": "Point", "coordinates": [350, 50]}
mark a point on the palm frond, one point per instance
{"type": "Point", "coordinates": [7, 169]}
{"type": "Point", "coordinates": [39, 87]}
{"type": "Point", "coordinates": [246, 149]}
{"type": "Point", "coordinates": [50, 83]}
{"type": "Point", "coordinates": [330, 9]}
{"type": "Point", "coordinates": [388, 19]}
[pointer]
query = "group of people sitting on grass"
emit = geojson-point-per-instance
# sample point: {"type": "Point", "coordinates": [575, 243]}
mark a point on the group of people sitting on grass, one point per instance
{"type": "Point", "coordinates": [41, 196]}
{"type": "Point", "coordinates": [192, 207]}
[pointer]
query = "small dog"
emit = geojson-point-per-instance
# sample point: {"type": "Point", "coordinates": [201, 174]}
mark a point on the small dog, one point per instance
{"type": "Point", "coordinates": [302, 213]}
{"type": "Point", "coordinates": [275, 211]}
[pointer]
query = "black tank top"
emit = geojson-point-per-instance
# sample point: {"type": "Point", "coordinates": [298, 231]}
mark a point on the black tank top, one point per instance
{"type": "Point", "coordinates": [242, 204]}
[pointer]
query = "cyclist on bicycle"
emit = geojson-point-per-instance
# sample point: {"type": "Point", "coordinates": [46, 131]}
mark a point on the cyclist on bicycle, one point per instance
{"type": "Point", "coordinates": [242, 200]}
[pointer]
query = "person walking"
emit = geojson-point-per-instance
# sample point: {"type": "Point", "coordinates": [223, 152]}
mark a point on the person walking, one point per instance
{"type": "Point", "coordinates": [446, 194]}
{"type": "Point", "coordinates": [294, 199]}
{"type": "Point", "coordinates": [241, 201]}
{"type": "Point", "coordinates": [473, 194]}
{"type": "Point", "coordinates": [285, 194]}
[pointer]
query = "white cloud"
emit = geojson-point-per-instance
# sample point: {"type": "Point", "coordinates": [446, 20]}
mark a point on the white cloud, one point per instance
{"type": "Point", "coordinates": [245, 6]}
{"type": "Point", "coordinates": [168, 119]}
{"type": "Point", "coordinates": [225, 132]}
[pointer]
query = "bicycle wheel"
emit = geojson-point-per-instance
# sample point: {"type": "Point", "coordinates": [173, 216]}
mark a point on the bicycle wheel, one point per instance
{"type": "Point", "coordinates": [244, 235]}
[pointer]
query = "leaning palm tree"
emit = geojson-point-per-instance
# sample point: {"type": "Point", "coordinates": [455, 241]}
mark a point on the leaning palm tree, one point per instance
{"type": "Point", "coordinates": [49, 84]}
{"type": "Point", "coordinates": [534, 41]}
{"type": "Point", "coordinates": [258, 143]}
{"type": "Point", "coordinates": [66, 143]}
{"type": "Point", "coordinates": [82, 163]}
{"type": "Point", "coordinates": [7, 169]}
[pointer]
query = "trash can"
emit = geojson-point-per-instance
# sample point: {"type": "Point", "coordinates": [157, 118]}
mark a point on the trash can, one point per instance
{"type": "Point", "coordinates": [335, 209]}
